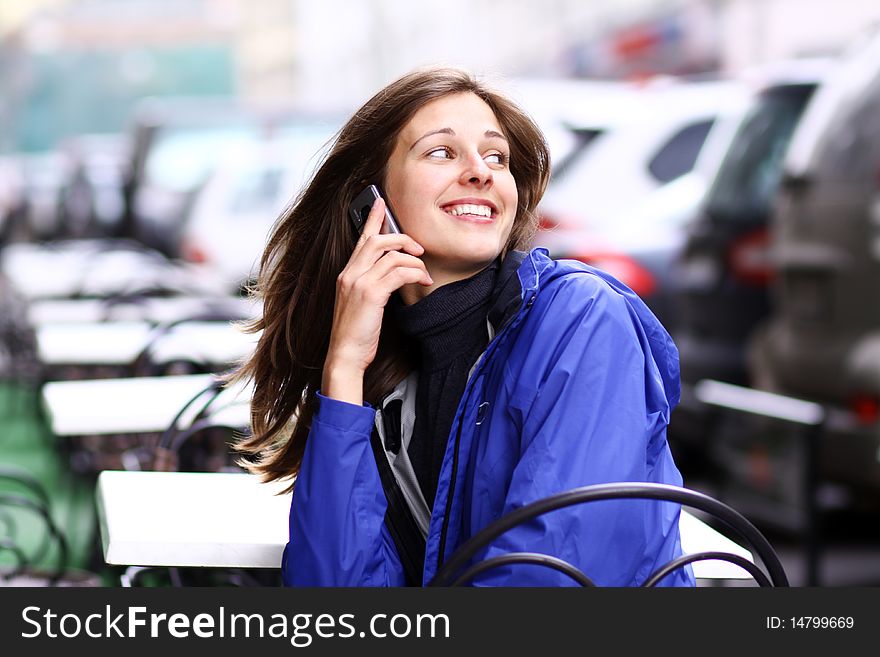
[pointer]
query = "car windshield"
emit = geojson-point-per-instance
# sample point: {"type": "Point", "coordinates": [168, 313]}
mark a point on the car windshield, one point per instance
{"type": "Point", "coordinates": [751, 170]}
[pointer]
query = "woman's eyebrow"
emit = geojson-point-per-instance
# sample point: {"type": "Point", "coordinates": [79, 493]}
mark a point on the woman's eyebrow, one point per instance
{"type": "Point", "coordinates": [495, 134]}
{"type": "Point", "coordinates": [439, 131]}
{"type": "Point", "coordinates": [449, 131]}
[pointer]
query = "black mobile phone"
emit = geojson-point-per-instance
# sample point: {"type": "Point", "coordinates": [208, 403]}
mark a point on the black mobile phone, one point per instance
{"type": "Point", "coordinates": [360, 208]}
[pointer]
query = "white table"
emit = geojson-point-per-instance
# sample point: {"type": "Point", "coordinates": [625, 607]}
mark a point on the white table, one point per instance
{"type": "Point", "coordinates": [116, 343]}
{"type": "Point", "coordinates": [95, 268]}
{"type": "Point", "coordinates": [119, 343]}
{"type": "Point", "coordinates": [217, 343]}
{"type": "Point", "coordinates": [191, 519]}
{"type": "Point", "coordinates": [156, 310]}
{"type": "Point", "coordinates": [697, 536]}
{"type": "Point", "coordinates": [133, 405]}
{"type": "Point", "coordinates": [233, 520]}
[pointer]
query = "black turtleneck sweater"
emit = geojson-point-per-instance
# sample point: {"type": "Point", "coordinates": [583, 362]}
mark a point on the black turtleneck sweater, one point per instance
{"type": "Point", "coordinates": [449, 328]}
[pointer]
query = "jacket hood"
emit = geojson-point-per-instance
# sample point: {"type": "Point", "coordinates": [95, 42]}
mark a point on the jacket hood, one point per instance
{"type": "Point", "coordinates": [537, 270]}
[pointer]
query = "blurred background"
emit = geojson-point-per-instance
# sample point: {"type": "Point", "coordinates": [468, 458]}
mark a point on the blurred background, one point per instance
{"type": "Point", "coordinates": [720, 157]}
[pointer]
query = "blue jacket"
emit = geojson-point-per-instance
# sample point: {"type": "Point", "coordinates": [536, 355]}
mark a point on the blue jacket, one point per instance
{"type": "Point", "coordinates": [575, 388]}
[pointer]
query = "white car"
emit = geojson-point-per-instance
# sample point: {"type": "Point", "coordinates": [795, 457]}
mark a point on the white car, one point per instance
{"type": "Point", "coordinates": [571, 111]}
{"type": "Point", "coordinates": [634, 143]}
{"type": "Point", "coordinates": [620, 203]}
{"type": "Point", "coordinates": [234, 211]}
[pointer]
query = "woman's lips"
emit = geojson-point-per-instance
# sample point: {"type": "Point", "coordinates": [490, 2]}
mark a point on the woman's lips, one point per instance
{"type": "Point", "coordinates": [472, 218]}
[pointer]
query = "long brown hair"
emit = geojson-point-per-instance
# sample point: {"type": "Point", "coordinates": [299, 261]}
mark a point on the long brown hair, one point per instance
{"type": "Point", "coordinates": [313, 240]}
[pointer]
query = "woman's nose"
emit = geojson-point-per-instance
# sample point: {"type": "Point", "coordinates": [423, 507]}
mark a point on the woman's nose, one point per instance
{"type": "Point", "coordinates": [476, 171]}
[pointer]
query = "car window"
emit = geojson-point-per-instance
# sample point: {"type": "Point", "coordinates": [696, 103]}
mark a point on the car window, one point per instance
{"type": "Point", "coordinates": [846, 151]}
{"type": "Point", "coordinates": [677, 156]}
{"type": "Point", "coordinates": [854, 74]}
{"type": "Point", "coordinates": [750, 172]}
{"type": "Point", "coordinates": [583, 138]}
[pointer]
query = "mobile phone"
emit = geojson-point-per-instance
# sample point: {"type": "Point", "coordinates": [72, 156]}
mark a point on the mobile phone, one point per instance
{"type": "Point", "coordinates": [360, 208]}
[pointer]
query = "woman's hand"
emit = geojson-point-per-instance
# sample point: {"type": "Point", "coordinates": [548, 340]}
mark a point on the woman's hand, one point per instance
{"type": "Point", "coordinates": [379, 265]}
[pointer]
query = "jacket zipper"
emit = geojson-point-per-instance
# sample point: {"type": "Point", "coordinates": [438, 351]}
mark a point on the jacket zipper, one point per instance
{"type": "Point", "coordinates": [449, 497]}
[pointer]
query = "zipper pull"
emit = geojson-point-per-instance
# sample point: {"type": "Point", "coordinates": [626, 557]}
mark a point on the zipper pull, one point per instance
{"type": "Point", "coordinates": [482, 409]}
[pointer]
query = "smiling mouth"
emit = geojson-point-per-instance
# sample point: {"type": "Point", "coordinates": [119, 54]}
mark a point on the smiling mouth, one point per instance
{"type": "Point", "coordinates": [471, 211]}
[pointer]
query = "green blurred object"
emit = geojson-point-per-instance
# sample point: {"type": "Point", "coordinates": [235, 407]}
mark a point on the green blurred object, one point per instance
{"type": "Point", "coordinates": [70, 93]}
{"type": "Point", "coordinates": [25, 444]}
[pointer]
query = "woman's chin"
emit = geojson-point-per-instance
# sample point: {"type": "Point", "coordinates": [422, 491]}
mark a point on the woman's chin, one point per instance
{"type": "Point", "coordinates": [464, 266]}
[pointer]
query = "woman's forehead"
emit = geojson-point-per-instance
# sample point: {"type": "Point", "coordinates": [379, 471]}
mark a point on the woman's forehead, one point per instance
{"type": "Point", "coordinates": [459, 113]}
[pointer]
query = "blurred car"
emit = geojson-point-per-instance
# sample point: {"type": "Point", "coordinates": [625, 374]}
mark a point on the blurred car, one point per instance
{"type": "Point", "coordinates": [232, 214]}
{"type": "Point", "coordinates": [822, 339]}
{"type": "Point", "coordinates": [13, 204]}
{"type": "Point", "coordinates": [175, 144]}
{"type": "Point", "coordinates": [564, 108]}
{"type": "Point", "coordinates": [619, 200]}
{"type": "Point", "coordinates": [92, 203]}
{"type": "Point", "coordinates": [723, 272]}
{"type": "Point", "coordinates": [45, 174]}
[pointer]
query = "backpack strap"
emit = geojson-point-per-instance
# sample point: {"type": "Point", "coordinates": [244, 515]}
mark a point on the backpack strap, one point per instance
{"type": "Point", "coordinates": [399, 519]}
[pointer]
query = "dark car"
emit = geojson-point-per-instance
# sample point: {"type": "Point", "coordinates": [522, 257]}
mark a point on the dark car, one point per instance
{"type": "Point", "coordinates": [822, 340]}
{"type": "Point", "coordinates": [723, 272]}
{"type": "Point", "coordinates": [724, 268]}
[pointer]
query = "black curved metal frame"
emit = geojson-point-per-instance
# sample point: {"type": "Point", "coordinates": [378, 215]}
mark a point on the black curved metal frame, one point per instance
{"type": "Point", "coordinates": [34, 488]}
{"type": "Point", "coordinates": [450, 575]}
{"type": "Point", "coordinates": [207, 395]}
{"type": "Point", "coordinates": [143, 362]}
{"type": "Point", "coordinates": [8, 499]}
{"type": "Point", "coordinates": [202, 407]}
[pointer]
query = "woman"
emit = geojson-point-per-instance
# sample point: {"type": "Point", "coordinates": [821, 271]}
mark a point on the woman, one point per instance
{"type": "Point", "coordinates": [454, 377]}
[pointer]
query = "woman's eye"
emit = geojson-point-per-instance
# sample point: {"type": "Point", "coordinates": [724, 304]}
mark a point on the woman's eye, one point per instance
{"type": "Point", "coordinates": [442, 153]}
{"type": "Point", "coordinates": [496, 158]}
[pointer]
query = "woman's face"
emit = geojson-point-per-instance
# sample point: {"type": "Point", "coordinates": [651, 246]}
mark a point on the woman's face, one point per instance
{"type": "Point", "coordinates": [448, 182]}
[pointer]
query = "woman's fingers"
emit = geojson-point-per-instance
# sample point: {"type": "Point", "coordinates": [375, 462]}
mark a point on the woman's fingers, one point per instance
{"type": "Point", "coordinates": [394, 260]}
{"type": "Point", "coordinates": [379, 265]}
{"type": "Point", "coordinates": [375, 242]}
{"type": "Point", "coordinates": [373, 224]}
{"type": "Point", "coordinates": [375, 281]}
{"type": "Point", "coordinates": [400, 276]}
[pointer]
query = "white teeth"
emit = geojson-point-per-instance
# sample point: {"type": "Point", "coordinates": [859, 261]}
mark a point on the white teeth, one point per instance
{"type": "Point", "coordinates": [467, 208]}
